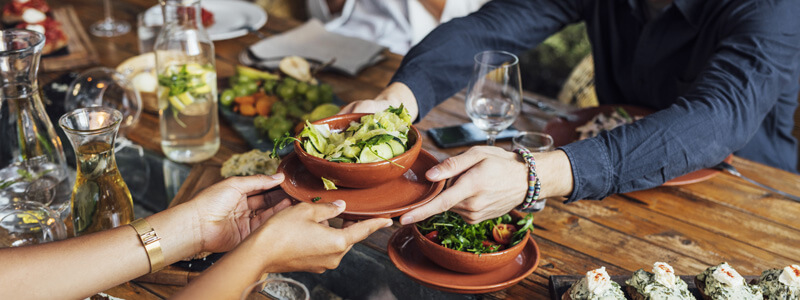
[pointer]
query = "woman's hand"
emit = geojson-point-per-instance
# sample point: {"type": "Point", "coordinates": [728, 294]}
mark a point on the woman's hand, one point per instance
{"type": "Point", "coordinates": [395, 94]}
{"type": "Point", "coordinates": [227, 212]}
{"type": "Point", "coordinates": [299, 239]}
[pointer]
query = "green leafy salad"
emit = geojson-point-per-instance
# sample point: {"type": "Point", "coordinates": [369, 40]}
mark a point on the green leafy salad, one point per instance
{"type": "Point", "coordinates": [450, 230]}
{"type": "Point", "coordinates": [377, 137]}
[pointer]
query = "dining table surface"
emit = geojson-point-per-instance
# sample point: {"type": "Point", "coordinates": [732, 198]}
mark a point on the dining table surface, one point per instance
{"type": "Point", "coordinates": [691, 226]}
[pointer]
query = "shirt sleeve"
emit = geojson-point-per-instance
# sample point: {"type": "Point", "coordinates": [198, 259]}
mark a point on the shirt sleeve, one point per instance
{"type": "Point", "coordinates": [757, 56]}
{"type": "Point", "coordinates": [441, 64]}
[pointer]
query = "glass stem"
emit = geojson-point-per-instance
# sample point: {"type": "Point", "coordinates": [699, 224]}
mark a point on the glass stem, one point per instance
{"type": "Point", "coordinates": [107, 8]}
{"type": "Point", "coordinates": [490, 139]}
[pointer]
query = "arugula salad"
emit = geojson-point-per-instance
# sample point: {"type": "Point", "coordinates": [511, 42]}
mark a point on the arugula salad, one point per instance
{"type": "Point", "coordinates": [377, 137]}
{"type": "Point", "coordinates": [450, 230]}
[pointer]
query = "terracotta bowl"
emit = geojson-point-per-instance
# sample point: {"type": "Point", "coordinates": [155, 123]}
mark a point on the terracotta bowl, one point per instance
{"type": "Point", "coordinates": [359, 175]}
{"type": "Point", "coordinates": [466, 262]}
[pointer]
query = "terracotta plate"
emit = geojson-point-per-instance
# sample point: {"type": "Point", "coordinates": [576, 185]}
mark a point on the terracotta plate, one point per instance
{"type": "Point", "coordinates": [387, 200]}
{"type": "Point", "coordinates": [563, 132]}
{"type": "Point", "coordinates": [406, 256]}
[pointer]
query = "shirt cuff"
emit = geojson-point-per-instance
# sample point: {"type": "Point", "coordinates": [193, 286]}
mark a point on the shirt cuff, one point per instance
{"type": "Point", "coordinates": [416, 80]}
{"type": "Point", "coordinates": [591, 169]}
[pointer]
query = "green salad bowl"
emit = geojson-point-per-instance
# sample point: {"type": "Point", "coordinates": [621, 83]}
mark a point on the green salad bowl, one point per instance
{"type": "Point", "coordinates": [359, 175]}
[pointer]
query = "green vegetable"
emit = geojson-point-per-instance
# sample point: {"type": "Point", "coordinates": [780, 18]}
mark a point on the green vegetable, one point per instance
{"type": "Point", "coordinates": [315, 199]}
{"type": "Point", "coordinates": [329, 185]}
{"type": "Point", "coordinates": [227, 97]}
{"type": "Point", "coordinates": [455, 233]}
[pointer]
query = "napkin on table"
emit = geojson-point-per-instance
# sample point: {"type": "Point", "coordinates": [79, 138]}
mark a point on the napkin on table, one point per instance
{"type": "Point", "coordinates": [312, 41]}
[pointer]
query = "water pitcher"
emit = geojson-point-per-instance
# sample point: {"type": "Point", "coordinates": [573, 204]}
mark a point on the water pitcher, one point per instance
{"type": "Point", "coordinates": [187, 87]}
{"type": "Point", "coordinates": [32, 164]}
{"type": "Point", "coordinates": [100, 198]}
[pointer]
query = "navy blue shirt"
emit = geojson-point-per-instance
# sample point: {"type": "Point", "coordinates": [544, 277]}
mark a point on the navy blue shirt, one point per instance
{"type": "Point", "coordinates": [723, 75]}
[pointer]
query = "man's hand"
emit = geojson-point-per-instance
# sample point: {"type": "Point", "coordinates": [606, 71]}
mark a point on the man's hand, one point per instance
{"type": "Point", "coordinates": [395, 94]}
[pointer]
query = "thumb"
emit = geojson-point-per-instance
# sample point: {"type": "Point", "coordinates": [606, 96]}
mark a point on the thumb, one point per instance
{"type": "Point", "coordinates": [361, 230]}
{"type": "Point", "coordinates": [453, 166]}
{"type": "Point", "coordinates": [325, 211]}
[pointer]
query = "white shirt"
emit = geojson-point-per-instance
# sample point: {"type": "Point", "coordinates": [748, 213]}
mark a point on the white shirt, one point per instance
{"type": "Point", "coordinates": [395, 24]}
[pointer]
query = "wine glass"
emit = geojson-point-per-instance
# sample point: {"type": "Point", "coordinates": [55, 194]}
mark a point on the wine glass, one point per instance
{"type": "Point", "coordinates": [494, 94]}
{"type": "Point", "coordinates": [108, 26]}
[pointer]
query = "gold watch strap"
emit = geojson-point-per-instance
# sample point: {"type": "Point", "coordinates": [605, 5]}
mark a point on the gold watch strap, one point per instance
{"type": "Point", "coordinates": [151, 244]}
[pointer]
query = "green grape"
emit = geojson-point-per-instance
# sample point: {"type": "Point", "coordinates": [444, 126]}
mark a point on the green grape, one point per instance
{"type": "Point", "coordinates": [301, 88]}
{"type": "Point", "coordinates": [241, 90]}
{"type": "Point", "coordinates": [269, 86]}
{"type": "Point", "coordinates": [286, 92]}
{"type": "Point", "coordinates": [279, 109]}
{"type": "Point", "coordinates": [261, 123]}
{"type": "Point", "coordinates": [313, 95]}
{"type": "Point", "coordinates": [290, 81]}
{"type": "Point", "coordinates": [307, 106]}
{"type": "Point", "coordinates": [295, 111]}
{"type": "Point", "coordinates": [227, 97]}
{"type": "Point", "coordinates": [252, 87]}
{"type": "Point", "coordinates": [325, 93]}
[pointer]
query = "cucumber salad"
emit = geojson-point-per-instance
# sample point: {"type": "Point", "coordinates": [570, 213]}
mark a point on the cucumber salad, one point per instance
{"type": "Point", "coordinates": [377, 137]}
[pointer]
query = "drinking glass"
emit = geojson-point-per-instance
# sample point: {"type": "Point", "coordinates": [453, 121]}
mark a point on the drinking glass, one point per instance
{"type": "Point", "coordinates": [494, 94]}
{"type": "Point", "coordinates": [276, 288]}
{"type": "Point", "coordinates": [24, 222]}
{"type": "Point", "coordinates": [533, 141]}
{"type": "Point", "coordinates": [108, 26]}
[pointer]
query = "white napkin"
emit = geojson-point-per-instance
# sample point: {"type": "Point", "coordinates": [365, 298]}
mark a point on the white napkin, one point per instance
{"type": "Point", "coordinates": [313, 42]}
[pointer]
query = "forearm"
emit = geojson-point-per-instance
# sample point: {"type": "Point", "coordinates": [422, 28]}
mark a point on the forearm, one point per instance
{"type": "Point", "coordinates": [555, 173]}
{"type": "Point", "coordinates": [82, 266]}
{"type": "Point", "coordinates": [228, 278]}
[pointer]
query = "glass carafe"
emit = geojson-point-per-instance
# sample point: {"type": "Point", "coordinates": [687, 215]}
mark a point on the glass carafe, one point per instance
{"type": "Point", "coordinates": [100, 198]}
{"type": "Point", "coordinates": [187, 84]}
{"type": "Point", "coordinates": [32, 164]}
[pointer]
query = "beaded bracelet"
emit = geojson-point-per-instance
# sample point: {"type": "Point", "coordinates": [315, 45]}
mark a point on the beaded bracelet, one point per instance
{"type": "Point", "coordinates": [534, 184]}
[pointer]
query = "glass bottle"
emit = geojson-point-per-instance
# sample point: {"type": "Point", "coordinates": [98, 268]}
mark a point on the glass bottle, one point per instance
{"type": "Point", "coordinates": [187, 84]}
{"type": "Point", "coordinates": [100, 198]}
{"type": "Point", "coordinates": [32, 164]}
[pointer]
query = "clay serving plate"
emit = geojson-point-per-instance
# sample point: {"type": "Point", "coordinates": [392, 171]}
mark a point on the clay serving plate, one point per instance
{"type": "Point", "coordinates": [466, 262]}
{"type": "Point", "coordinates": [387, 200]}
{"type": "Point", "coordinates": [359, 175]}
{"type": "Point", "coordinates": [563, 132]}
{"type": "Point", "coordinates": [407, 257]}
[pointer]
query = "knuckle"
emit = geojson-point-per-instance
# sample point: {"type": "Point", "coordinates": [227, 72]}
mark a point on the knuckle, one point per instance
{"type": "Point", "coordinates": [339, 244]}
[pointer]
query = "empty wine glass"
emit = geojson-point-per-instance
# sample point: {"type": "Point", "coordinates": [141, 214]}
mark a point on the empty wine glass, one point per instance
{"type": "Point", "coordinates": [494, 94]}
{"type": "Point", "coordinates": [108, 26]}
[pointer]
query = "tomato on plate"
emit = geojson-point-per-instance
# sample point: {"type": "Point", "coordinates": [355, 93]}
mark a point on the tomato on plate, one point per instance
{"type": "Point", "coordinates": [433, 236]}
{"type": "Point", "coordinates": [502, 233]}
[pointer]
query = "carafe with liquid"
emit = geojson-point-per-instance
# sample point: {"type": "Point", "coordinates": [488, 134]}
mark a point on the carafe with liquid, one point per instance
{"type": "Point", "coordinates": [187, 84]}
{"type": "Point", "coordinates": [32, 164]}
{"type": "Point", "coordinates": [100, 198]}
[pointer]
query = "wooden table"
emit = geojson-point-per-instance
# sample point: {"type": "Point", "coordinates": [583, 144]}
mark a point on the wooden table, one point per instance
{"type": "Point", "coordinates": [691, 226]}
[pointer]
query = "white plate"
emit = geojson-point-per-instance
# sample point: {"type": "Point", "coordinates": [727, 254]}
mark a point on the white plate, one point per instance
{"type": "Point", "coordinates": [232, 18]}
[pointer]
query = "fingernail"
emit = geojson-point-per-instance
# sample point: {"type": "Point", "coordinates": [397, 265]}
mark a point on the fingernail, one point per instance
{"type": "Point", "coordinates": [433, 173]}
{"type": "Point", "coordinates": [406, 220]}
{"type": "Point", "coordinates": [388, 224]}
{"type": "Point", "coordinates": [276, 176]}
{"type": "Point", "coordinates": [339, 203]}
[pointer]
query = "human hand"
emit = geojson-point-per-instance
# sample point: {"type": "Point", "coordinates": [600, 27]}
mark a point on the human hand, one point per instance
{"type": "Point", "coordinates": [298, 239]}
{"type": "Point", "coordinates": [489, 182]}
{"type": "Point", "coordinates": [395, 94]}
{"type": "Point", "coordinates": [227, 212]}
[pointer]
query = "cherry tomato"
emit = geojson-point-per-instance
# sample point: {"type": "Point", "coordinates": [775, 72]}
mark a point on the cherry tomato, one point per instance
{"type": "Point", "coordinates": [502, 233]}
{"type": "Point", "coordinates": [490, 244]}
{"type": "Point", "coordinates": [433, 236]}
